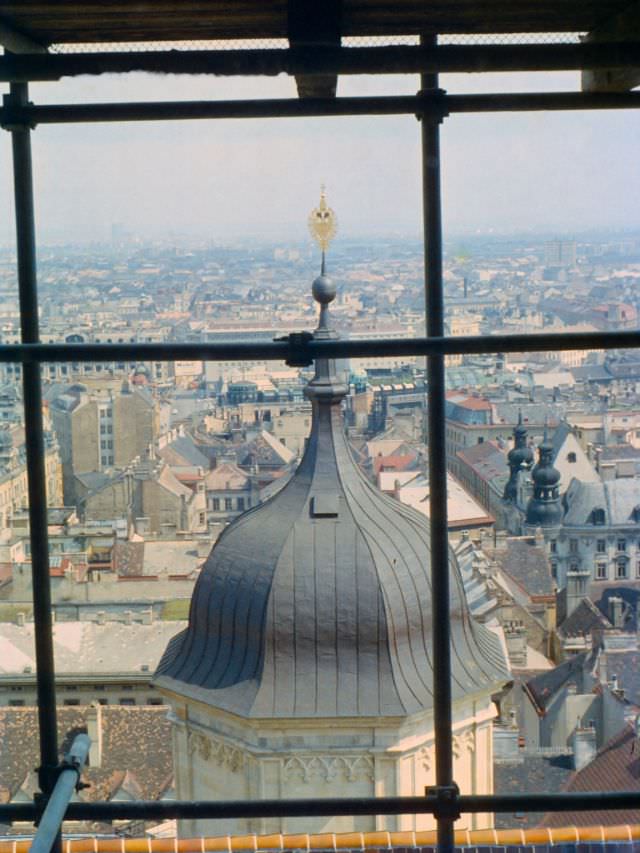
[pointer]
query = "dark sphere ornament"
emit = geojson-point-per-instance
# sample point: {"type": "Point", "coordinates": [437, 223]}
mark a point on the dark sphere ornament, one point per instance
{"type": "Point", "coordinates": [324, 290]}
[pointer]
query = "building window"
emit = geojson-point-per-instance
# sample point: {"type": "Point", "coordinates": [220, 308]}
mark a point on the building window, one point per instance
{"type": "Point", "coordinates": [228, 503]}
{"type": "Point", "coordinates": [571, 457]}
{"type": "Point", "coordinates": [241, 504]}
{"type": "Point", "coordinates": [638, 569]}
{"type": "Point", "coordinates": [553, 546]}
{"type": "Point", "coordinates": [573, 546]}
{"type": "Point", "coordinates": [622, 545]}
{"type": "Point", "coordinates": [601, 571]}
{"type": "Point", "coordinates": [621, 569]}
{"type": "Point", "coordinates": [554, 570]}
{"type": "Point", "coordinates": [601, 546]}
{"type": "Point", "coordinates": [16, 703]}
{"type": "Point", "coordinates": [71, 702]}
{"type": "Point", "coordinates": [126, 700]}
{"type": "Point", "coordinates": [598, 516]}
{"type": "Point", "coordinates": [215, 504]}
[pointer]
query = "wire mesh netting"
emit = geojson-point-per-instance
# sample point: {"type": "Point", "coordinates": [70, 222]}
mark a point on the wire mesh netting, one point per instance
{"type": "Point", "coordinates": [349, 41]}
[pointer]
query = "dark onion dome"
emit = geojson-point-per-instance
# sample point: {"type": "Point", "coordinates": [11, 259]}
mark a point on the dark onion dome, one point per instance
{"type": "Point", "coordinates": [520, 456]}
{"type": "Point", "coordinates": [544, 508]}
{"type": "Point", "coordinates": [317, 603]}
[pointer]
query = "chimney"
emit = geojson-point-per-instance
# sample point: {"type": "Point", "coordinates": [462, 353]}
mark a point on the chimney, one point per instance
{"type": "Point", "coordinates": [584, 746]}
{"type": "Point", "coordinates": [101, 617]}
{"type": "Point", "coordinates": [94, 730]}
{"type": "Point", "coordinates": [516, 639]}
{"type": "Point", "coordinates": [147, 616]}
{"type": "Point", "coordinates": [128, 617]}
{"type": "Point", "coordinates": [20, 619]}
{"type": "Point", "coordinates": [616, 611]}
{"type": "Point", "coordinates": [608, 471]}
{"type": "Point", "coordinates": [577, 588]}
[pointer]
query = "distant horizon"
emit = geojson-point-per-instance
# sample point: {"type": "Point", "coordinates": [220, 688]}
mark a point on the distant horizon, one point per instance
{"type": "Point", "coordinates": [300, 240]}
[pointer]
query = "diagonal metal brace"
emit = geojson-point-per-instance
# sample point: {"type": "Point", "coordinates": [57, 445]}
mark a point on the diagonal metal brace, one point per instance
{"type": "Point", "coordinates": [298, 350]}
{"type": "Point", "coordinates": [446, 806]}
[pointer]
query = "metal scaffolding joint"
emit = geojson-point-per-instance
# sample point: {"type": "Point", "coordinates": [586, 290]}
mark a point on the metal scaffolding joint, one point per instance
{"type": "Point", "coordinates": [13, 114]}
{"type": "Point", "coordinates": [446, 806]}
{"type": "Point", "coordinates": [298, 349]}
{"type": "Point", "coordinates": [432, 105]}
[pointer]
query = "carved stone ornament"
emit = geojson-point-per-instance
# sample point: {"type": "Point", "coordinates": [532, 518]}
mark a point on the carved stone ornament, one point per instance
{"type": "Point", "coordinates": [425, 757]}
{"type": "Point", "coordinates": [327, 768]}
{"type": "Point", "coordinates": [211, 749]}
{"type": "Point", "coordinates": [464, 742]}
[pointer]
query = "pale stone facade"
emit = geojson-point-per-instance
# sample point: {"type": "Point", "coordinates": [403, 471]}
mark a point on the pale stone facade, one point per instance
{"type": "Point", "coordinates": [218, 756]}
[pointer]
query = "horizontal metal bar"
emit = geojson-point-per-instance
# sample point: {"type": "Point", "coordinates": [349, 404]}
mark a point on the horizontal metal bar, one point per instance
{"type": "Point", "coordinates": [281, 350]}
{"type": "Point", "coordinates": [313, 61]}
{"type": "Point", "coordinates": [434, 103]}
{"type": "Point", "coordinates": [469, 804]}
{"type": "Point", "coordinates": [54, 813]}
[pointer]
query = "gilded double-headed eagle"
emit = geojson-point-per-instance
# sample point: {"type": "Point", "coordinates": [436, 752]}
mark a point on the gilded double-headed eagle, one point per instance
{"type": "Point", "coordinates": [323, 223]}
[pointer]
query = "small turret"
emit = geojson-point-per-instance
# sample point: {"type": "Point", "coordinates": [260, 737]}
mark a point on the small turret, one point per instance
{"type": "Point", "coordinates": [519, 457]}
{"type": "Point", "coordinates": [544, 509]}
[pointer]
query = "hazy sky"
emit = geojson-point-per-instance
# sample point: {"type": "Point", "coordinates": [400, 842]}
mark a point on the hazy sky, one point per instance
{"type": "Point", "coordinates": [563, 172]}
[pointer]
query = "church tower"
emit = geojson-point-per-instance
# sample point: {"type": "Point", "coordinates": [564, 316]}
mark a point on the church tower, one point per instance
{"type": "Point", "coordinates": [306, 667]}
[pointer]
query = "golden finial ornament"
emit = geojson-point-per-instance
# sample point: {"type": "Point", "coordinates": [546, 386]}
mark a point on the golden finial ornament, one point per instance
{"type": "Point", "coordinates": [323, 223]}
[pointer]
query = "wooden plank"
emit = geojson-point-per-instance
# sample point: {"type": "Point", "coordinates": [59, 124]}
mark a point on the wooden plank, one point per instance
{"type": "Point", "coordinates": [152, 20]}
{"type": "Point", "coordinates": [17, 42]}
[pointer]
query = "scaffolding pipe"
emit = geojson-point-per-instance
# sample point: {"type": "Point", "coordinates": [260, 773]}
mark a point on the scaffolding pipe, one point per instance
{"type": "Point", "coordinates": [68, 777]}
{"type": "Point", "coordinates": [34, 440]}
{"type": "Point", "coordinates": [284, 350]}
{"type": "Point", "coordinates": [437, 457]}
{"type": "Point", "coordinates": [439, 104]}
{"type": "Point", "coordinates": [326, 807]}
{"type": "Point", "coordinates": [322, 60]}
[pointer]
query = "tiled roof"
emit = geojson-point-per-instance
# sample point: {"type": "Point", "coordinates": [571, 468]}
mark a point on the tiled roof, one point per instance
{"type": "Point", "coordinates": [584, 619]}
{"type": "Point", "coordinates": [544, 687]}
{"type": "Point", "coordinates": [616, 767]}
{"type": "Point", "coordinates": [527, 564]}
{"type": "Point", "coordinates": [530, 774]}
{"type": "Point", "coordinates": [136, 741]}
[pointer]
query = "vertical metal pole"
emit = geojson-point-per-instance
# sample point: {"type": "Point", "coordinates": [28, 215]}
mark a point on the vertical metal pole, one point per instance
{"type": "Point", "coordinates": [32, 390]}
{"type": "Point", "coordinates": [434, 299]}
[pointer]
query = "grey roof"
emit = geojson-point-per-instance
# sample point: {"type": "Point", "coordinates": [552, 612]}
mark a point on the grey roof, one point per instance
{"type": "Point", "coordinates": [584, 619]}
{"type": "Point", "coordinates": [527, 564]}
{"type": "Point", "coordinates": [93, 480]}
{"type": "Point", "coordinates": [530, 774]}
{"type": "Point", "coordinates": [618, 498]}
{"type": "Point", "coordinates": [185, 447]}
{"type": "Point", "coordinates": [87, 648]}
{"type": "Point", "coordinates": [542, 688]}
{"type": "Point", "coordinates": [317, 603]}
